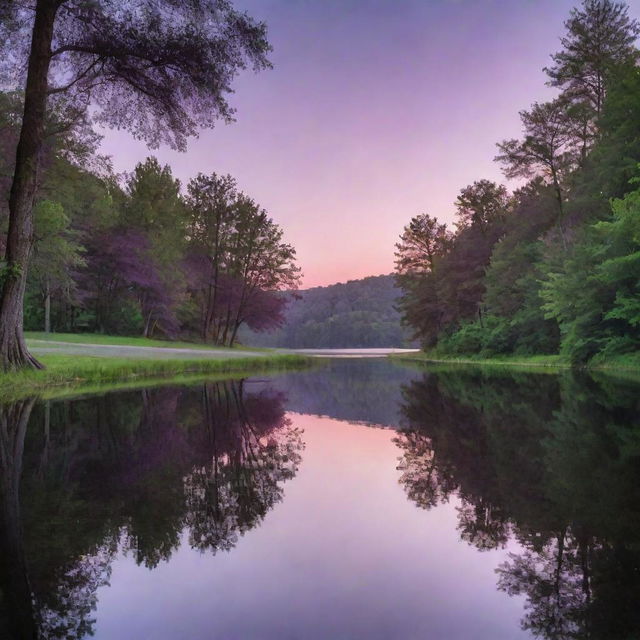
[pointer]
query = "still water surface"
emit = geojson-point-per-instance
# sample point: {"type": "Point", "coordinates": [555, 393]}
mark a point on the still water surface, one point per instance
{"type": "Point", "coordinates": [360, 499]}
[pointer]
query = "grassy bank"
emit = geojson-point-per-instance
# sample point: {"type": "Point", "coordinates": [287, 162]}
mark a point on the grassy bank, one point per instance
{"type": "Point", "coordinates": [81, 373]}
{"type": "Point", "coordinates": [627, 363]}
{"type": "Point", "coordinates": [554, 361]}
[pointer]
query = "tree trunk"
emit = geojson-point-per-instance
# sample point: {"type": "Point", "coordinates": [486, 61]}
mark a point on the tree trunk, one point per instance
{"type": "Point", "coordinates": [13, 350]}
{"type": "Point", "coordinates": [559, 198]}
{"type": "Point", "coordinates": [234, 334]}
{"type": "Point", "coordinates": [47, 311]}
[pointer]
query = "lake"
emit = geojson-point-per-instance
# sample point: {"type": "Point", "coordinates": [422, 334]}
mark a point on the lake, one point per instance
{"type": "Point", "coordinates": [357, 499]}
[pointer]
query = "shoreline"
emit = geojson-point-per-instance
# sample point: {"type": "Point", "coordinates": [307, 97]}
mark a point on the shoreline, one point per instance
{"type": "Point", "coordinates": [71, 374]}
{"type": "Point", "coordinates": [624, 365]}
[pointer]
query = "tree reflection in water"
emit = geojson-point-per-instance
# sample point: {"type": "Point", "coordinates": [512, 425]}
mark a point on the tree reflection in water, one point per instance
{"type": "Point", "coordinates": [553, 462]}
{"type": "Point", "coordinates": [130, 471]}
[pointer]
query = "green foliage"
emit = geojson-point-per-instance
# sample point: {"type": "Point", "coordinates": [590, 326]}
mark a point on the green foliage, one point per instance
{"type": "Point", "coordinates": [613, 161]}
{"type": "Point", "coordinates": [444, 281]}
{"type": "Point", "coordinates": [7, 271]}
{"type": "Point", "coordinates": [544, 276]}
{"type": "Point", "coordinates": [594, 293]}
{"type": "Point", "coordinates": [358, 313]}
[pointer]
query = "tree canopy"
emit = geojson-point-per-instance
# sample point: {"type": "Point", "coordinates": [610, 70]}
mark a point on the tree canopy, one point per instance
{"type": "Point", "coordinates": [551, 266]}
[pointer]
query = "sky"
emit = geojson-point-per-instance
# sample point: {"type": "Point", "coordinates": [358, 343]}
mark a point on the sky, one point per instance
{"type": "Point", "coordinates": [374, 111]}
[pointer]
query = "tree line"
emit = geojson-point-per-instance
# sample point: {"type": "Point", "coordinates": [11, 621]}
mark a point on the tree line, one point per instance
{"type": "Point", "coordinates": [553, 266]}
{"type": "Point", "coordinates": [88, 250]}
{"type": "Point", "coordinates": [357, 313]}
{"type": "Point", "coordinates": [135, 255]}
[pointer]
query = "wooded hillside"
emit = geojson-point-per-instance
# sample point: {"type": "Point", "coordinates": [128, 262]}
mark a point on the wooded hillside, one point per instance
{"type": "Point", "coordinates": [358, 313]}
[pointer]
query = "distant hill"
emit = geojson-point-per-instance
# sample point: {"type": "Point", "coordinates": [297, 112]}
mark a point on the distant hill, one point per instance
{"type": "Point", "coordinates": [358, 313]}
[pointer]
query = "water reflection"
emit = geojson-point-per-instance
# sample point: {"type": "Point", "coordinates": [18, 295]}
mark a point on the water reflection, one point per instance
{"type": "Point", "coordinates": [132, 472]}
{"type": "Point", "coordinates": [543, 472]}
{"type": "Point", "coordinates": [361, 391]}
{"type": "Point", "coordinates": [553, 462]}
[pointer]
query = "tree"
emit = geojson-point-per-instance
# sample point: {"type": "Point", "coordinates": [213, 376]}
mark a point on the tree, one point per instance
{"type": "Point", "coordinates": [482, 209]}
{"type": "Point", "coordinates": [442, 274]}
{"type": "Point", "coordinates": [513, 277]}
{"type": "Point", "coordinates": [158, 69]}
{"type": "Point", "coordinates": [547, 150]}
{"type": "Point", "coordinates": [260, 262]}
{"type": "Point", "coordinates": [209, 200]}
{"type": "Point", "coordinates": [237, 256]}
{"type": "Point", "coordinates": [481, 204]}
{"type": "Point", "coordinates": [593, 294]}
{"type": "Point", "coordinates": [422, 242]}
{"type": "Point", "coordinates": [614, 158]}
{"type": "Point", "coordinates": [56, 254]}
{"type": "Point", "coordinates": [600, 35]}
{"type": "Point", "coordinates": [154, 209]}
{"type": "Point", "coordinates": [122, 283]}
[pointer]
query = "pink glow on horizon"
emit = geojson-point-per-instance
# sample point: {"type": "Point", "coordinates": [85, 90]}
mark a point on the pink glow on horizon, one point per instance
{"type": "Point", "coordinates": [374, 112]}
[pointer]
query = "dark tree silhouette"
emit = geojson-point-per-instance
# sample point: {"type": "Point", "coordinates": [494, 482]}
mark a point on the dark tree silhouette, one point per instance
{"type": "Point", "coordinates": [14, 580]}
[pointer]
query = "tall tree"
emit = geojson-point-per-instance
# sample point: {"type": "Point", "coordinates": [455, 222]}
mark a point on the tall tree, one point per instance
{"type": "Point", "coordinates": [423, 243]}
{"type": "Point", "coordinates": [56, 255]}
{"type": "Point", "coordinates": [160, 69]}
{"type": "Point", "coordinates": [260, 261]}
{"type": "Point", "coordinates": [210, 201]}
{"type": "Point", "coordinates": [154, 208]}
{"type": "Point", "coordinates": [600, 35]}
{"type": "Point", "coordinates": [547, 149]}
{"type": "Point", "coordinates": [481, 204]}
{"type": "Point", "coordinates": [613, 161]}
{"type": "Point", "coordinates": [482, 209]}
{"type": "Point", "coordinates": [237, 255]}
{"type": "Point", "coordinates": [594, 295]}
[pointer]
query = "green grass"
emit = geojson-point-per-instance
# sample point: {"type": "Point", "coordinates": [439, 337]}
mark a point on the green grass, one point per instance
{"type": "Point", "coordinates": [621, 366]}
{"type": "Point", "coordinates": [127, 341]}
{"type": "Point", "coordinates": [615, 364]}
{"type": "Point", "coordinates": [553, 361]}
{"type": "Point", "coordinates": [78, 374]}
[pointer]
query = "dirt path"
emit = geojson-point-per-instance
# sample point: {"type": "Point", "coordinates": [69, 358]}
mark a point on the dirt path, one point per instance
{"type": "Point", "coordinates": [127, 351]}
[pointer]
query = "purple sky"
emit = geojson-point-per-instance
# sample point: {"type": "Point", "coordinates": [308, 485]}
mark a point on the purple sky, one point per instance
{"type": "Point", "coordinates": [376, 110]}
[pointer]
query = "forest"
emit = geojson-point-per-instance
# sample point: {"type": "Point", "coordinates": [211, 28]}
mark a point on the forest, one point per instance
{"type": "Point", "coordinates": [135, 254]}
{"type": "Point", "coordinates": [554, 265]}
{"type": "Point", "coordinates": [358, 313]}
{"type": "Point", "coordinates": [84, 249]}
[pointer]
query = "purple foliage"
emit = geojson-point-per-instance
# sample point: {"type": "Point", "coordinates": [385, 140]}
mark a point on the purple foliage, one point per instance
{"type": "Point", "coordinates": [261, 310]}
{"type": "Point", "coordinates": [265, 311]}
{"type": "Point", "coordinates": [119, 265]}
